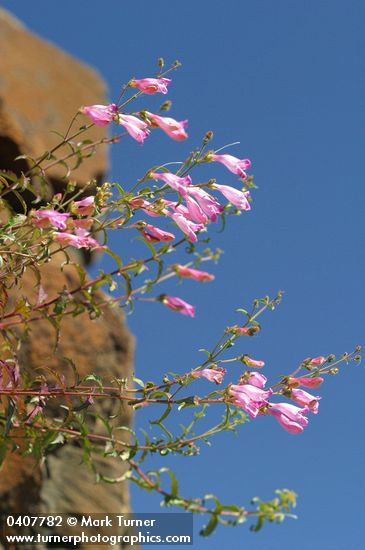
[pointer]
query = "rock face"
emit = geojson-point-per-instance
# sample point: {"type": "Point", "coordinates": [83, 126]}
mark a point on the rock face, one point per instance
{"type": "Point", "coordinates": [103, 346]}
{"type": "Point", "coordinates": [41, 88]}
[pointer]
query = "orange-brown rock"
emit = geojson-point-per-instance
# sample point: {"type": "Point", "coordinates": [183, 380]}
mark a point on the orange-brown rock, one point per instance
{"type": "Point", "coordinates": [102, 346]}
{"type": "Point", "coordinates": [41, 89]}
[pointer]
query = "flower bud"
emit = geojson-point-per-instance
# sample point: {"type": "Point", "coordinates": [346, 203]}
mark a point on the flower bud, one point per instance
{"type": "Point", "coordinates": [317, 361]}
{"type": "Point", "coordinates": [177, 304]}
{"type": "Point", "coordinates": [212, 374]}
{"type": "Point", "coordinates": [307, 382]}
{"type": "Point", "coordinates": [166, 105]}
{"type": "Point", "coordinates": [245, 331]}
{"type": "Point", "coordinates": [247, 360]}
{"type": "Point", "coordinates": [208, 136]}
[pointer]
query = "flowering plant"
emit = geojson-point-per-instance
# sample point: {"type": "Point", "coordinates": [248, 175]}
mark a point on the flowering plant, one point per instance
{"type": "Point", "coordinates": [166, 209]}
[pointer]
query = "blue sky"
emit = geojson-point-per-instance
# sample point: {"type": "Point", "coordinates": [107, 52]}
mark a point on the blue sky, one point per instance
{"type": "Point", "coordinates": [286, 79]}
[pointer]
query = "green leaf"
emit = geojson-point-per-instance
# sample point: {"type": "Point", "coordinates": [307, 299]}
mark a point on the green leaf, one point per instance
{"type": "Point", "coordinates": [210, 527]}
{"type": "Point", "coordinates": [94, 378]}
{"type": "Point", "coordinates": [138, 381]}
{"type": "Point", "coordinates": [163, 416]}
{"type": "Point", "coordinates": [258, 525]}
{"type": "Point", "coordinates": [174, 483]}
{"type": "Point", "coordinates": [115, 257]}
{"type": "Point", "coordinates": [241, 310]}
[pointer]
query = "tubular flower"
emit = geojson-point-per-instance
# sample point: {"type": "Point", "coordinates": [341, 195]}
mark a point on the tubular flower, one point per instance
{"type": "Point", "coordinates": [84, 223]}
{"type": "Point", "coordinates": [144, 205]}
{"type": "Point", "coordinates": [236, 197]}
{"type": "Point", "coordinates": [177, 183]}
{"type": "Point", "coordinates": [173, 128]}
{"type": "Point", "coordinates": [250, 398]}
{"type": "Point", "coordinates": [135, 127]}
{"type": "Point", "coordinates": [101, 115]}
{"type": "Point", "coordinates": [209, 205]}
{"type": "Point", "coordinates": [151, 85]}
{"type": "Point", "coordinates": [252, 362]}
{"type": "Point", "coordinates": [153, 233]}
{"type": "Point", "coordinates": [213, 375]}
{"type": "Point", "coordinates": [82, 239]}
{"type": "Point", "coordinates": [179, 208]}
{"type": "Point", "coordinates": [49, 218]}
{"type": "Point", "coordinates": [256, 379]}
{"type": "Point", "coordinates": [196, 214]}
{"type": "Point", "coordinates": [305, 399]}
{"type": "Point", "coordinates": [189, 228]}
{"type": "Point", "coordinates": [201, 276]}
{"type": "Point", "coordinates": [289, 416]}
{"type": "Point", "coordinates": [177, 304]}
{"type": "Point", "coordinates": [305, 381]}
{"type": "Point", "coordinates": [85, 207]}
{"type": "Point", "coordinates": [235, 165]}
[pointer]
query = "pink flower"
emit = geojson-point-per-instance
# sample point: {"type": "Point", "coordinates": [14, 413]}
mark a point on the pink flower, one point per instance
{"type": "Point", "coordinates": [305, 381]}
{"type": "Point", "coordinates": [156, 234]}
{"type": "Point", "coordinates": [84, 223]}
{"type": "Point", "coordinates": [233, 164]}
{"type": "Point", "coordinates": [256, 379]}
{"type": "Point", "coordinates": [317, 361]}
{"type": "Point", "coordinates": [196, 214]}
{"type": "Point", "coordinates": [179, 208]}
{"type": "Point", "coordinates": [252, 362]}
{"type": "Point", "coordinates": [175, 182]}
{"type": "Point", "coordinates": [49, 218]}
{"type": "Point", "coordinates": [305, 399]}
{"type": "Point", "coordinates": [189, 228]}
{"type": "Point", "coordinates": [134, 126]}
{"type": "Point", "coordinates": [201, 276]}
{"type": "Point", "coordinates": [177, 304]}
{"type": "Point", "coordinates": [289, 416]}
{"type": "Point", "coordinates": [82, 239]}
{"type": "Point", "coordinates": [209, 205]}
{"type": "Point", "coordinates": [151, 85]}
{"type": "Point", "coordinates": [85, 207]}
{"type": "Point", "coordinates": [101, 115]}
{"type": "Point", "coordinates": [12, 374]}
{"type": "Point", "coordinates": [173, 128]}
{"type": "Point", "coordinates": [144, 205]}
{"type": "Point", "coordinates": [213, 375]}
{"type": "Point", "coordinates": [250, 398]}
{"type": "Point", "coordinates": [236, 197]}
